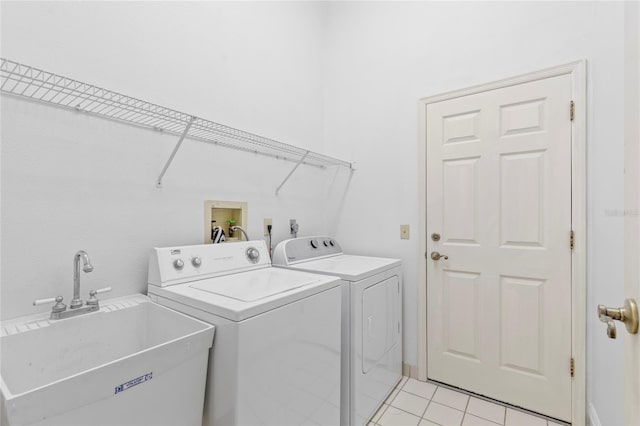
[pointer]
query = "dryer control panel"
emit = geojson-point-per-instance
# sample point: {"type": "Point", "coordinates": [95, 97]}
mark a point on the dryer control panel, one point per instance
{"type": "Point", "coordinates": [295, 250]}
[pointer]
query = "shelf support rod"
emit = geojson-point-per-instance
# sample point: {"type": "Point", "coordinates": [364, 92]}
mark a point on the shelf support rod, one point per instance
{"type": "Point", "coordinates": [175, 150]}
{"type": "Point", "coordinates": [291, 172]}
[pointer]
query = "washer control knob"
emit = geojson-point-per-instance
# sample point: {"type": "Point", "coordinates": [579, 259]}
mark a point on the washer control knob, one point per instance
{"type": "Point", "coordinates": [178, 264]}
{"type": "Point", "coordinates": [314, 243]}
{"type": "Point", "coordinates": [196, 261]}
{"type": "Point", "coordinates": [332, 243]}
{"type": "Point", "coordinates": [253, 254]}
{"type": "Point", "coordinates": [326, 243]}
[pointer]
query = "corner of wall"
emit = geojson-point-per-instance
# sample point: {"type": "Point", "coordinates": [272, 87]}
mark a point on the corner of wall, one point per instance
{"type": "Point", "coordinates": [410, 371]}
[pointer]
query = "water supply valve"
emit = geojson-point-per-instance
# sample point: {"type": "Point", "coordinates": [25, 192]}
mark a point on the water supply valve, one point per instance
{"type": "Point", "coordinates": [294, 228]}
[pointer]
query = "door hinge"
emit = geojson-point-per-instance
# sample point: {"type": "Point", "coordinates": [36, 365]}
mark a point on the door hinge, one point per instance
{"type": "Point", "coordinates": [572, 367]}
{"type": "Point", "coordinates": [572, 240]}
{"type": "Point", "coordinates": [572, 110]}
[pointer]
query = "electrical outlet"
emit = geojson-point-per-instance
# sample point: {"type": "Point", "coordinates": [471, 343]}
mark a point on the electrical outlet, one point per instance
{"type": "Point", "coordinates": [293, 227]}
{"type": "Point", "coordinates": [267, 222]}
{"type": "Point", "coordinates": [404, 232]}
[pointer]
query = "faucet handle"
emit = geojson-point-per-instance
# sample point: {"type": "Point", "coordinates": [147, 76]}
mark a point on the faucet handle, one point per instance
{"type": "Point", "coordinates": [92, 293]}
{"type": "Point", "coordinates": [93, 300]}
{"type": "Point", "coordinates": [58, 307]}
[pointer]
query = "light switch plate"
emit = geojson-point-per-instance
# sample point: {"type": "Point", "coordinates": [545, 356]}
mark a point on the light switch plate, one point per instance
{"type": "Point", "coordinates": [404, 232]}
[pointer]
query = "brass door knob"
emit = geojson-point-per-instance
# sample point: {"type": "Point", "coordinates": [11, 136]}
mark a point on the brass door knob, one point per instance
{"type": "Point", "coordinates": [628, 315]}
{"type": "Point", "coordinates": [437, 256]}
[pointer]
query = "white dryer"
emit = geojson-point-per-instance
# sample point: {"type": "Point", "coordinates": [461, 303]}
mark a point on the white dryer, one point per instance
{"type": "Point", "coordinates": [371, 316]}
{"type": "Point", "coordinates": [276, 355]}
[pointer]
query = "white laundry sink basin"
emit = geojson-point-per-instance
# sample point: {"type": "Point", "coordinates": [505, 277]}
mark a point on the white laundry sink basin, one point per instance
{"type": "Point", "coordinates": [131, 363]}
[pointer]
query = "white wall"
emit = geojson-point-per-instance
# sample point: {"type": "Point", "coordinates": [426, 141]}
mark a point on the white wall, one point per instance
{"type": "Point", "coordinates": [387, 55]}
{"type": "Point", "coordinates": [342, 78]}
{"type": "Point", "coordinates": [70, 181]}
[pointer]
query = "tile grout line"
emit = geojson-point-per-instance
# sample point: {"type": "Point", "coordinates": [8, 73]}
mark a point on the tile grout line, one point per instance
{"type": "Point", "coordinates": [402, 383]}
{"type": "Point", "coordinates": [397, 388]}
{"type": "Point", "coordinates": [447, 405]}
{"type": "Point", "coordinates": [405, 411]}
{"type": "Point", "coordinates": [501, 403]}
{"type": "Point", "coordinates": [428, 404]}
{"type": "Point", "coordinates": [466, 407]}
{"type": "Point", "coordinates": [383, 411]}
{"type": "Point", "coordinates": [439, 403]}
{"type": "Point", "coordinates": [425, 408]}
{"type": "Point", "coordinates": [465, 411]}
{"type": "Point", "coordinates": [504, 420]}
{"type": "Point", "coordinates": [482, 418]}
{"type": "Point", "coordinates": [420, 418]}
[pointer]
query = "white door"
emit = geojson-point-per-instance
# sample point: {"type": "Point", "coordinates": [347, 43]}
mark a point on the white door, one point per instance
{"type": "Point", "coordinates": [632, 211]}
{"type": "Point", "coordinates": [499, 196]}
{"type": "Point", "coordinates": [632, 279]}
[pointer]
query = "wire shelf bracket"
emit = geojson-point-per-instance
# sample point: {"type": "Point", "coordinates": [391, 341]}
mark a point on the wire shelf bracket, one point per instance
{"type": "Point", "coordinates": [173, 154]}
{"type": "Point", "coordinates": [25, 81]}
{"type": "Point", "coordinates": [291, 172]}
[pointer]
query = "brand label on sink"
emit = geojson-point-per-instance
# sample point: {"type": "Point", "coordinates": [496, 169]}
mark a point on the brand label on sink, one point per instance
{"type": "Point", "coordinates": [131, 383]}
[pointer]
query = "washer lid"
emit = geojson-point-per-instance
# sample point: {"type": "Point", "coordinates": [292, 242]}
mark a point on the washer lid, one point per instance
{"type": "Point", "coordinates": [243, 295]}
{"type": "Point", "coordinates": [254, 287]}
{"type": "Point", "coordinates": [348, 267]}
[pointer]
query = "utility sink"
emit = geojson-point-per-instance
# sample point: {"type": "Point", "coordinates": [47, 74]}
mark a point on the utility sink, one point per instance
{"type": "Point", "coordinates": [133, 362]}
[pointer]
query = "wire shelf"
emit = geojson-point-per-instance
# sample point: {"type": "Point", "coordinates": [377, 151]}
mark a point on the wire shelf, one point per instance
{"type": "Point", "coordinates": [43, 86]}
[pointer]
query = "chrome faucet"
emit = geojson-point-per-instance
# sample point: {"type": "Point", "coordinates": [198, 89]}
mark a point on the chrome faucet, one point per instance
{"type": "Point", "coordinates": [237, 228]}
{"type": "Point", "coordinates": [59, 310]}
{"type": "Point", "coordinates": [76, 302]}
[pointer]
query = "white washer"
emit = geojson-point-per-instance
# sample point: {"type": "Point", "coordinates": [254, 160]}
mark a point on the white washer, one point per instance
{"type": "Point", "coordinates": [371, 316]}
{"type": "Point", "coordinates": [276, 354]}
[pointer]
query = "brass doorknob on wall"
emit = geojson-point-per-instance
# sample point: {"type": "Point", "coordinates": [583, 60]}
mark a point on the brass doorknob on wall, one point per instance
{"type": "Point", "coordinates": [437, 256]}
{"type": "Point", "coordinates": [628, 315]}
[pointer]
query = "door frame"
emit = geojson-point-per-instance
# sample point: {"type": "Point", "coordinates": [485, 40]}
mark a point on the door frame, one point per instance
{"type": "Point", "coordinates": [631, 206]}
{"type": "Point", "coordinates": [577, 71]}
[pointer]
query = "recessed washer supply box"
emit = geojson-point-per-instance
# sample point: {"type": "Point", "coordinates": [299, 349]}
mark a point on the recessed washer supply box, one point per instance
{"type": "Point", "coordinates": [133, 362]}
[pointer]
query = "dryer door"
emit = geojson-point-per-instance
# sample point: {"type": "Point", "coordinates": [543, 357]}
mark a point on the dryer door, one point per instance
{"type": "Point", "coordinates": [380, 322]}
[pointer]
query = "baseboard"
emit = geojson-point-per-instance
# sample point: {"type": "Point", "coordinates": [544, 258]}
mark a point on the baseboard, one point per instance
{"type": "Point", "coordinates": [592, 416]}
{"type": "Point", "coordinates": [410, 370]}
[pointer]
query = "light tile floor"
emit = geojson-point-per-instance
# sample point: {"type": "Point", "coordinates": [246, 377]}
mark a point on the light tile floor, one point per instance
{"type": "Point", "coordinates": [415, 403]}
